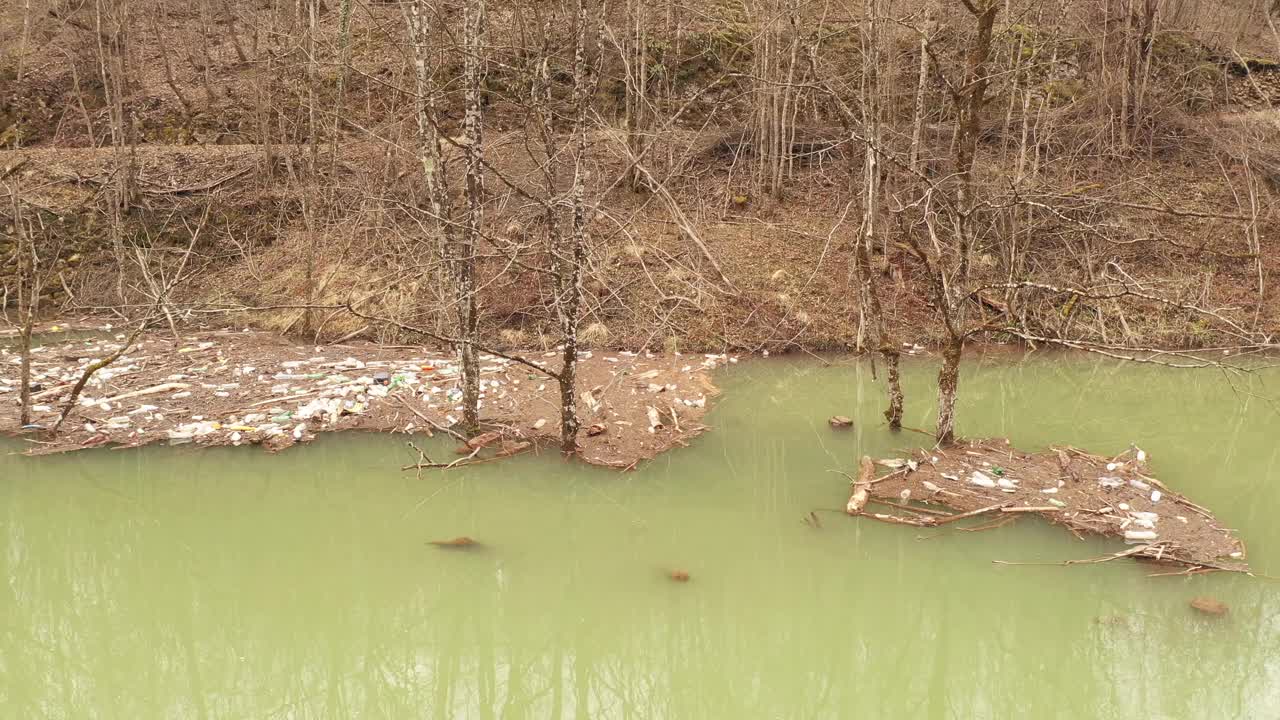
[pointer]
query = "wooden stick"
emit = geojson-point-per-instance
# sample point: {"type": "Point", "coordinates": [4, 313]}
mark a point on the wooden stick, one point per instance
{"type": "Point", "coordinates": [912, 508]}
{"type": "Point", "coordinates": [991, 525]}
{"type": "Point", "coordinates": [969, 514]}
{"type": "Point", "coordinates": [163, 387]}
{"type": "Point", "coordinates": [1137, 550]}
{"type": "Point", "coordinates": [457, 435]}
{"type": "Point", "coordinates": [896, 520]}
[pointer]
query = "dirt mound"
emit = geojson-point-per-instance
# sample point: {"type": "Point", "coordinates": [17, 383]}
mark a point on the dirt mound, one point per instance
{"type": "Point", "coordinates": [1109, 496]}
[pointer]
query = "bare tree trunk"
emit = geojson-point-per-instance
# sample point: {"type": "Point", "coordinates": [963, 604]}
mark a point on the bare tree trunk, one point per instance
{"type": "Point", "coordinates": [951, 271]}
{"type": "Point", "coordinates": [111, 21]}
{"type": "Point", "coordinates": [28, 302]}
{"type": "Point", "coordinates": [948, 383]}
{"type": "Point", "coordinates": [922, 84]}
{"type": "Point", "coordinates": [872, 99]}
{"type": "Point", "coordinates": [773, 77]}
{"type": "Point", "coordinates": [311, 190]}
{"type": "Point", "coordinates": [22, 43]}
{"type": "Point", "coordinates": [344, 61]}
{"type": "Point", "coordinates": [168, 67]}
{"type": "Point", "coordinates": [465, 259]}
{"type": "Point", "coordinates": [637, 60]}
{"type": "Point", "coordinates": [571, 259]}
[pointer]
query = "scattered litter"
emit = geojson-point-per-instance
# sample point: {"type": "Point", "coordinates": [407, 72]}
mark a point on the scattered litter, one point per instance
{"type": "Point", "coordinates": [981, 480]}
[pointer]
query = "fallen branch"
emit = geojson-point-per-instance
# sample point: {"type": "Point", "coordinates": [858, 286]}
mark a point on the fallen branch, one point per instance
{"type": "Point", "coordinates": [425, 461]}
{"type": "Point", "coordinates": [449, 431]}
{"type": "Point", "coordinates": [93, 368]}
{"type": "Point", "coordinates": [971, 513]}
{"type": "Point", "coordinates": [163, 387]}
{"type": "Point", "coordinates": [1136, 550]}
{"type": "Point", "coordinates": [912, 508]}
{"type": "Point", "coordinates": [197, 188]}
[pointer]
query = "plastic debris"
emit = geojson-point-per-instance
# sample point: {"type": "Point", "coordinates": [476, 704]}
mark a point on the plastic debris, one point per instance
{"type": "Point", "coordinates": [981, 480]}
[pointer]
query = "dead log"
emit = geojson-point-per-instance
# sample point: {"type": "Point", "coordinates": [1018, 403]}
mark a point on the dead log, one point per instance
{"type": "Point", "coordinates": [861, 487]}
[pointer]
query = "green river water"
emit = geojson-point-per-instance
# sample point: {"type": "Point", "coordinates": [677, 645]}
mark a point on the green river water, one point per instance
{"type": "Point", "coordinates": [228, 583]}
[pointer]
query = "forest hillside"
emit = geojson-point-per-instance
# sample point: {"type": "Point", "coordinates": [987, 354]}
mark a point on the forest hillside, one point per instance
{"type": "Point", "coordinates": [763, 174]}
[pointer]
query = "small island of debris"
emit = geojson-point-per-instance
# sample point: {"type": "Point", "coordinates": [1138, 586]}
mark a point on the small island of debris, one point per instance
{"type": "Point", "coordinates": [1088, 494]}
{"type": "Point", "coordinates": [258, 388]}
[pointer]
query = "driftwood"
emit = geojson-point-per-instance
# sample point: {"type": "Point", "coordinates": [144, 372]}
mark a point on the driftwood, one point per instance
{"type": "Point", "coordinates": [861, 487]}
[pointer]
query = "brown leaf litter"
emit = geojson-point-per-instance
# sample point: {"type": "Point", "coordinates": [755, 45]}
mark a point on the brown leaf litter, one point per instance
{"type": "Point", "coordinates": [1088, 494]}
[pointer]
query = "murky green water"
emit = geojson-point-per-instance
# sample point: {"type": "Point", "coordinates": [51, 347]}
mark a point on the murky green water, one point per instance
{"type": "Point", "coordinates": [175, 583]}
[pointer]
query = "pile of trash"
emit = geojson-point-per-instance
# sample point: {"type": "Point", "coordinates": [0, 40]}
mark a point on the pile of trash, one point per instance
{"type": "Point", "coordinates": [1110, 496]}
{"type": "Point", "coordinates": [233, 388]}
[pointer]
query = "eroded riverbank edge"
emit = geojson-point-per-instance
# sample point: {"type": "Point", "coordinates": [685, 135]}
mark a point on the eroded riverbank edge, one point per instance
{"type": "Point", "coordinates": [257, 388]}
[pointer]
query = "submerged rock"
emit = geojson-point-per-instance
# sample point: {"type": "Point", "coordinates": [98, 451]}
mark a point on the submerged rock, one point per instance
{"type": "Point", "coordinates": [1208, 605]}
{"type": "Point", "coordinates": [458, 543]}
{"type": "Point", "coordinates": [840, 422]}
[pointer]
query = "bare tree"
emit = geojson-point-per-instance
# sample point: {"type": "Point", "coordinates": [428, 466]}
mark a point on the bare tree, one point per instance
{"type": "Point", "coordinates": [112, 23]}
{"type": "Point", "coordinates": [571, 256]}
{"type": "Point", "coordinates": [872, 109]}
{"type": "Point", "coordinates": [464, 251]}
{"type": "Point", "coordinates": [29, 287]}
{"type": "Point", "coordinates": [635, 54]}
{"type": "Point", "coordinates": [949, 208]}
